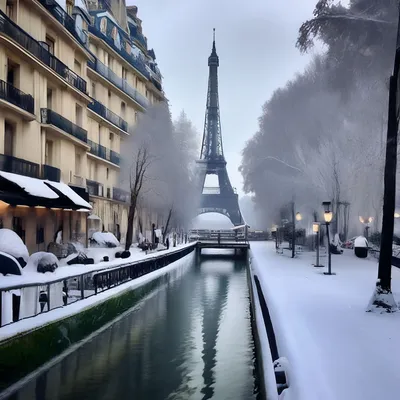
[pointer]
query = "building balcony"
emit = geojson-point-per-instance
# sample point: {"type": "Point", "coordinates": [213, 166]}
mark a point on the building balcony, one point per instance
{"type": "Point", "coordinates": [107, 114]}
{"type": "Point", "coordinates": [94, 188]}
{"type": "Point", "coordinates": [51, 173]}
{"type": "Point", "coordinates": [121, 195]}
{"type": "Point", "coordinates": [136, 63]}
{"type": "Point", "coordinates": [49, 117]}
{"type": "Point", "coordinates": [19, 166]}
{"type": "Point", "coordinates": [16, 97]}
{"type": "Point", "coordinates": [120, 83]}
{"type": "Point", "coordinates": [38, 50]}
{"type": "Point", "coordinates": [106, 154]}
{"type": "Point", "coordinates": [64, 19]}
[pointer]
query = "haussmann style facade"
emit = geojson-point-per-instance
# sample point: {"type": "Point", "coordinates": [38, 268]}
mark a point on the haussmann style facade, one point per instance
{"type": "Point", "coordinates": [74, 77]}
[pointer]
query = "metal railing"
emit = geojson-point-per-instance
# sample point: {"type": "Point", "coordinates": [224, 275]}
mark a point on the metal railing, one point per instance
{"type": "Point", "coordinates": [19, 166]}
{"type": "Point", "coordinates": [122, 84]}
{"type": "Point", "coordinates": [15, 96]}
{"type": "Point", "coordinates": [63, 18]}
{"type": "Point", "coordinates": [107, 114]}
{"type": "Point", "coordinates": [52, 118]}
{"type": "Point", "coordinates": [51, 173]}
{"type": "Point", "coordinates": [136, 63]}
{"type": "Point", "coordinates": [121, 195]}
{"type": "Point", "coordinates": [94, 188]}
{"type": "Point", "coordinates": [10, 29]}
{"type": "Point", "coordinates": [82, 286]}
{"type": "Point", "coordinates": [104, 153]}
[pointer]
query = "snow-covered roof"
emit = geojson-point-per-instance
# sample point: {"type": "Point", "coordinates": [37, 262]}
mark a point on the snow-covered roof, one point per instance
{"type": "Point", "coordinates": [32, 186]}
{"type": "Point", "coordinates": [68, 192]}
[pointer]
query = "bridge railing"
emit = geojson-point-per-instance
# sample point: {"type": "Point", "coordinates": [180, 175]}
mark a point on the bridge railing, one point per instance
{"type": "Point", "coordinates": [27, 300]}
{"type": "Point", "coordinates": [217, 235]}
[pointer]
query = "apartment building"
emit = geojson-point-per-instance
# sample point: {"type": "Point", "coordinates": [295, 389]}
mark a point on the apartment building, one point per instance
{"type": "Point", "coordinates": [72, 82]}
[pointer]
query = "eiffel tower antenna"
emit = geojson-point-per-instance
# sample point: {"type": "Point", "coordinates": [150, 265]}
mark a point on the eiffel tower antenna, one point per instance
{"type": "Point", "coordinates": [212, 160]}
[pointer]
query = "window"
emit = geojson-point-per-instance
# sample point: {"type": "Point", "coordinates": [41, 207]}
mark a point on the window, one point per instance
{"type": "Point", "coordinates": [110, 61]}
{"type": "Point", "coordinates": [123, 110]}
{"type": "Point", "coordinates": [18, 228]}
{"type": "Point", "coordinates": [48, 153]}
{"type": "Point", "coordinates": [136, 116]}
{"type": "Point", "coordinates": [78, 115]}
{"type": "Point", "coordinates": [77, 67]}
{"type": "Point", "coordinates": [9, 135]}
{"type": "Point", "coordinates": [78, 162]}
{"type": "Point", "coordinates": [12, 73]}
{"type": "Point", "coordinates": [147, 93]}
{"type": "Point", "coordinates": [124, 73]}
{"type": "Point", "coordinates": [11, 10]}
{"type": "Point", "coordinates": [111, 140]}
{"type": "Point", "coordinates": [50, 43]}
{"type": "Point", "coordinates": [137, 82]}
{"type": "Point", "coordinates": [109, 99]}
{"type": "Point", "coordinates": [93, 90]}
{"type": "Point", "coordinates": [107, 173]}
{"type": "Point", "coordinates": [50, 98]}
{"type": "Point", "coordinates": [108, 193]}
{"type": "Point", "coordinates": [69, 7]}
{"type": "Point", "coordinates": [99, 141]}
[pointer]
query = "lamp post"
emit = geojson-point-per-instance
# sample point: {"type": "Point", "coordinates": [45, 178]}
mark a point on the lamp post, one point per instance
{"type": "Point", "coordinates": [316, 230]}
{"type": "Point", "coordinates": [328, 215]}
{"type": "Point", "coordinates": [366, 221]}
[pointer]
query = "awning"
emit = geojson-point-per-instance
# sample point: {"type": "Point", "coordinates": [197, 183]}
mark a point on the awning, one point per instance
{"type": "Point", "coordinates": [22, 190]}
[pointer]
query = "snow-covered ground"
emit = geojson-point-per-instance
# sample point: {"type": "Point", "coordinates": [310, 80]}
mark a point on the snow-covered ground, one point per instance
{"type": "Point", "coordinates": [97, 254]}
{"type": "Point", "coordinates": [336, 350]}
{"type": "Point", "coordinates": [63, 312]}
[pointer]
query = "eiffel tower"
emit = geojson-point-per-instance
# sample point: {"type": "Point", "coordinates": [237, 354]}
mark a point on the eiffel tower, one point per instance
{"type": "Point", "coordinates": [224, 199]}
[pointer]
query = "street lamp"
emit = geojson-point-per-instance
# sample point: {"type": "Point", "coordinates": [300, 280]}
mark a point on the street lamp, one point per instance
{"type": "Point", "coordinates": [328, 215]}
{"type": "Point", "coordinates": [366, 221]}
{"type": "Point", "coordinates": [316, 230]}
{"type": "Point", "coordinates": [298, 217]}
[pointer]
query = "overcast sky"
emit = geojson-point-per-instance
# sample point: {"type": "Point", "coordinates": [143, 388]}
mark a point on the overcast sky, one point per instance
{"type": "Point", "coordinates": [256, 47]}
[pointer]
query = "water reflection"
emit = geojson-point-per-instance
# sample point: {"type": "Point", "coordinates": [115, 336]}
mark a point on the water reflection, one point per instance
{"type": "Point", "coordinates": [190, 340]}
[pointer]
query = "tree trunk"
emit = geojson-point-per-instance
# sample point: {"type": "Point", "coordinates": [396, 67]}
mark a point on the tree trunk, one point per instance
{"type": "Point", "coordinates": [389, 198]}
{"type": "Point", "coordinates": [168, 220]}
{"type": "Point", "coordinates": [129, 232]}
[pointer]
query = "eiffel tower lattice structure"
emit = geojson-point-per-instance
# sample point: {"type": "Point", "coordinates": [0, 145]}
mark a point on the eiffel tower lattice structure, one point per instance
{"type": "Point", "coordinates": [222, 199]}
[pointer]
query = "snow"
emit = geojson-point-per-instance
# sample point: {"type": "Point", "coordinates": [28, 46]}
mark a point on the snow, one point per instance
{"type": "Point", "coordinates": [33, 186]}
{"type": "Point", "coordinates": [79, 306]}
{"type": "Point", "coordinates": [360, 241]}
{"type": "Point", "coordinates": [79, 269]}
{"type": "Point", "coordinates": [68, 192]}
{"type": "Point", "coordinates": [336, 350]}
{"type": "Point", "coordinates": [12, 244]}
{"type": "Point", "coordinates": [102, 238]}
{"type": "Point", "coordinates": [39, 257]}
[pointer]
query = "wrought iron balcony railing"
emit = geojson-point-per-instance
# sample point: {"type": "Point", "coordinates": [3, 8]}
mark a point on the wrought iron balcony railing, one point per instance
{"type": "Point", "coordinates": [52, 118]}
{"type": "Point", "coordinates": [94, 188]}
{"type": "Point", "coordinates": [104, 153]}
{"type": "Point", "coordinates": [136, 63]}
{"type": "Point", "coordinates": [120, 195]}
{"type": "Point", "coordinates": [51, 173]}
{"type": "Point", "coordinates": [17, 97]}
{"type": "Point", "coordinates": [122, 84]}
{"type": "Point", "coordinates": [10, 29]}
{"type": "Point", "coordinates": [102, 110]}
{"type": "Point", "coordinates": [64, 19]}
{"type": "Point", "coordinates": [19, 166]}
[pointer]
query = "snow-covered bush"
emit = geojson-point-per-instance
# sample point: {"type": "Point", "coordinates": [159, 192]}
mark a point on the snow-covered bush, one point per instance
{"type": "Point", "coordinates": [360, 241]}
{"type": "Point", "coordinates": [104, 239]}
{"type": "Point", "coordinates": [12, 244]}
{"type": "Point", "coordinates": [42, 262]}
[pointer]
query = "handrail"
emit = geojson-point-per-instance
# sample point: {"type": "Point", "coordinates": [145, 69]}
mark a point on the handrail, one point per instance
{"type": "Point", "coordinates": [17, 97]}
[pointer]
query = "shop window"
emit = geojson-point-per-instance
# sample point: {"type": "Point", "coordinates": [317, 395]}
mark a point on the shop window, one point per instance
{"type": "Point", "coordinates": [17, 227]}
{"type": "Point", "coordinates": [39, 234]}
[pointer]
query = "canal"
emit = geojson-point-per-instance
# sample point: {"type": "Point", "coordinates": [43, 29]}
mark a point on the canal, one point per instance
{"type": "Point", "coordinates": [191, 338]}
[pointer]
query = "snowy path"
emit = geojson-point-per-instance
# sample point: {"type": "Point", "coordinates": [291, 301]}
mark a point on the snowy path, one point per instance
{"type": "Point", "coordinates": [336, 350]}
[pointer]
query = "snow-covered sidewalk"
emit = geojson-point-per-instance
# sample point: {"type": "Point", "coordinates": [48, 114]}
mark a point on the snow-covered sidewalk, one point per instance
{"type": "Point", "coordinates": [336, 350]}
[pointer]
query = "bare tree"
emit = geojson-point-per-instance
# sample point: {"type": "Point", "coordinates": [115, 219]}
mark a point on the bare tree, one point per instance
{"type": "Point", "coordinates": [140, 166]}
